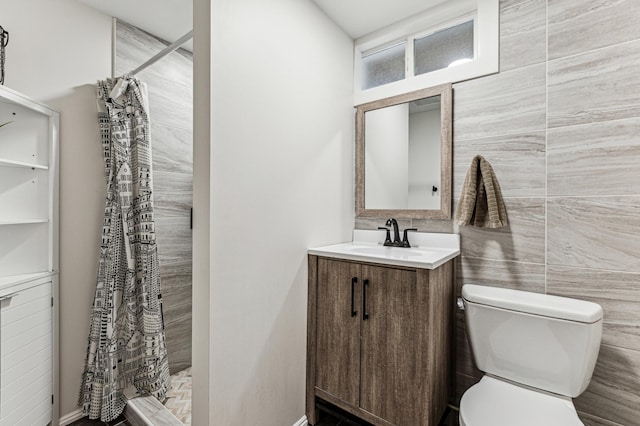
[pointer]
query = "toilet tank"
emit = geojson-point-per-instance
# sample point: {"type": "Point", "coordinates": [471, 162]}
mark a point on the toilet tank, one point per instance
{"type": "Point", "coordinates": [543, 341]}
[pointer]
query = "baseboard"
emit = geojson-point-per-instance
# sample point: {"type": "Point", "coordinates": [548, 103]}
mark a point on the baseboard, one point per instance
{"type": "Point", "coordinates": [71, 417]}
{"type": "Point", "coordinates": [302, 422]}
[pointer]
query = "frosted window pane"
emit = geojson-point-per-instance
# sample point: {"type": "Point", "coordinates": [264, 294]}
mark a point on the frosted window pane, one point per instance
{"type": "Point", "coordinates": [384, 66]}
{"type": "Point", "coordinates": [439, 50]}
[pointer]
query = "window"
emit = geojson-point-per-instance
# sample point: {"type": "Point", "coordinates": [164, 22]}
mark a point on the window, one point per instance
{"type": "Point", "coordinates": [451, 42]}
{"type": "Point", "coordinates": [444, 48]}
{"type": "Point", "coordinates": [383, 66]}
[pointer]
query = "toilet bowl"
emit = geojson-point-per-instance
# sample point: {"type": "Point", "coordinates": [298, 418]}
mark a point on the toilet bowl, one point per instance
{"type": "Point", "coordinates": [537, 352]}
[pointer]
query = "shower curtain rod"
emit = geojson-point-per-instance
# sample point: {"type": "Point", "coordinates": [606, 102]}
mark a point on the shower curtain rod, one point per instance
{"type": "Point", "coordinates": [164, 52]}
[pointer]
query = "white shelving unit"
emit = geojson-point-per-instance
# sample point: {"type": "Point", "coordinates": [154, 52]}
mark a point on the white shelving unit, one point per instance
{"type": "Point", "coordinates": [28, 185]}
{"type": "Point", "coordinates": [29, 261]}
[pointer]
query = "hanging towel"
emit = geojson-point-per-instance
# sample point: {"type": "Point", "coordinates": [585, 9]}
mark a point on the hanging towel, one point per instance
{"type": "Point", "coordinates": [481, 203]}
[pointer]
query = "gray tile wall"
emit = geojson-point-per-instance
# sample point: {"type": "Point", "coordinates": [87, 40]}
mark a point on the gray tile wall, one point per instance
{"type": "Point", "coordinates": [560, 125]}
{"type": "Point", "coordinates": [170, 86]}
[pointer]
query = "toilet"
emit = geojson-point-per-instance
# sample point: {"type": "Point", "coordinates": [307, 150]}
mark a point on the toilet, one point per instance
{"type": "Point", "coordinates": [536, 351]}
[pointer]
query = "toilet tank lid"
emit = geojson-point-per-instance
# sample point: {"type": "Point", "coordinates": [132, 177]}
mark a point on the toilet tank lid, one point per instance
{"type": "Point", "coordinates": [533, 303]}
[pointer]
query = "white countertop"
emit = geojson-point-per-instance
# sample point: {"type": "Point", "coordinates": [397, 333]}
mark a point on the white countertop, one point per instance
{"type": "Point", "coordinates": [427, 251]}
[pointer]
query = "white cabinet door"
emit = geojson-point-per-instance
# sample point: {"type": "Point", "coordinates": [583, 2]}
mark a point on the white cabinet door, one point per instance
{"type": "Point", "coordinates": [26, 357]}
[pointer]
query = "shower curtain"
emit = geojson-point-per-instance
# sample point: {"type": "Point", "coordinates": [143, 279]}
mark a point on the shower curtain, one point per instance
{"type": "Point", "coordinates": [126, 337]}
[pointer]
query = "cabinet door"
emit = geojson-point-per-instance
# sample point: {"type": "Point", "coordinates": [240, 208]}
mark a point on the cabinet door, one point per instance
{"type": "Point", "coordinates": [338, 330]}
{"type": "Point", "coordinates": [395, 346]}
{"type": "Point", "coordinates": [26, 357]}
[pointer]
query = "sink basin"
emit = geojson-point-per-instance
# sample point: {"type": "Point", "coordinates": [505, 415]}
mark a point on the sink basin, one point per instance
{"type": "Point", "coordinates": [428, 251]}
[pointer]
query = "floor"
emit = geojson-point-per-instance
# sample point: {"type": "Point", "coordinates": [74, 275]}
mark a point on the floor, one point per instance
{"type": "Point", "coordinates": [178, 402]}
{"type": "Point", "coordinates": [325, 420]}
{"type": "Point", "coordinates": [179, 397]}
{"type": "Point", "coordinates": [120, 421]}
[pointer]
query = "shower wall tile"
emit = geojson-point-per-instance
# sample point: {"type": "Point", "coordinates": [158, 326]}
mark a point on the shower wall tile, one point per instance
{"type": "Point", "coordinates": [171, 105]}
{"type": "Point", "coordinates": [423, 225]}
{"type": "Point", "coordinates": [176, 67]}
{"type": "Point", "coordinates": [522, 240]}
{"type": "Point", "coordinates": [178, 337]}
{"type": "Point", "coordinates": [590, 420]}
{"type": "Point", "coordinates": [577, 26]}
{"type": "Point", "coordinates": [177, 307]}
{"type": "Point", "coordinates": [506, 103]}
{"type": "Point", "coordinates": [596, 233]}
{"type": "Point", "coordinates": [437, 226]}
{"type": "Point", "coordinates": [561, 133]}
{"type": "Point", "coordinates": [169, 82]}
{"type": "Point", "coordinates": [613, 392]}
{"type": "Point", "coordinates": [170, 87]}
{"type": "Point", "coordinates": [523, 24]}
{"type": "Point", "coordinates": [135, 46]}
{"type": "Point", "coordinates": [463, 382]}
{"type": "Point", "coordinates": [175, 277]}
{"type": "Point", "coordinates": [498, 273]}
{"type": "Point", "coordinates": [617, 292]}
{"type": "Point", "coordinates": [173, 194]}
{"type": "Point", "coordinates": [518, 161]}
{"type": "Point", "coordinates": [173, 235]}
{"type": "Point", "coordinates": [595, 159]}
{"type": "Point", "coordinates": [172, 149]}
{"type": "Point", "coordinates": [504, 4]}
{"type": "Point", "coordinates": [464, 359]}
{"type": "Point", "coordinates": [372, 223]}
{"type": "Point", "coordinates": [599, 85]}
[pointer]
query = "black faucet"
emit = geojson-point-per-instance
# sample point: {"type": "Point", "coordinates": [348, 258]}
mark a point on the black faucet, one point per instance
{"type": "Point", "coordinates": [405, 240]}
{"type": "Point", "coordinates": [396, 235]}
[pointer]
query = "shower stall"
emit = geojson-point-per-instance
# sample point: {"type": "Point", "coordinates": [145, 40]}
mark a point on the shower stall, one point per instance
{"type": "Point", "coordinates": [170, 91]}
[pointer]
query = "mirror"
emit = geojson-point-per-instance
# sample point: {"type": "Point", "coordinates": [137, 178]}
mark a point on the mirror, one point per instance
{"type": "Point", "coordinates": [403, 156]}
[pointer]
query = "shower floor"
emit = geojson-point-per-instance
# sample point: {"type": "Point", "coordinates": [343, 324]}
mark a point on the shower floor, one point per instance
{"type": "Point", "coordinates": [179, 397]}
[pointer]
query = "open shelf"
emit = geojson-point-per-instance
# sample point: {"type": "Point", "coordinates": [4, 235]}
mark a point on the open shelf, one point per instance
{"type": "Point", "coordinates": [12, 163]}
{"type": "Point", "coordinates": [25, 248]}
{"type": "Point", "coordinates": [24, 194]}
{"type": "Point", "coordinates": [28, 186]}
{"type": "Point", "coordinates": [22, 221]}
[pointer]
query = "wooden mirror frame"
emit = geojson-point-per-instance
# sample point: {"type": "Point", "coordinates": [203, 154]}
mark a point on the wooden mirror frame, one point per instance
{"type": "Point", "coordinates": [445, 93]}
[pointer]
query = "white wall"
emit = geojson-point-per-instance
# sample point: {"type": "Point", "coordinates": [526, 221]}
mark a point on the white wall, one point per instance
{"type": "Point", "coordinates": [281, 181]}
{"type": "Point", "coordinates": [57, 51]}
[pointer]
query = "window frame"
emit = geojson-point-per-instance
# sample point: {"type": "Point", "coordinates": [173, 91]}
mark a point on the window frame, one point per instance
{"type": "Point", "coordinates": [485, 16]}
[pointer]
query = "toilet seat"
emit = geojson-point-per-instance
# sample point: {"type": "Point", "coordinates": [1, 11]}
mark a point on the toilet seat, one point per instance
{"type": "Point", "coordinates": [494, 402]}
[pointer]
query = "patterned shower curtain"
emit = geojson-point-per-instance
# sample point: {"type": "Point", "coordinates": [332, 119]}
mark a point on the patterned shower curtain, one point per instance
{"type": "Point", "coordinates": [126, 337]}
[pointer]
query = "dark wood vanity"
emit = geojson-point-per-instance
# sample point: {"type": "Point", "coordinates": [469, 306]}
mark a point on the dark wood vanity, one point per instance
{"type": "Point", "coordinates": [380, 339]}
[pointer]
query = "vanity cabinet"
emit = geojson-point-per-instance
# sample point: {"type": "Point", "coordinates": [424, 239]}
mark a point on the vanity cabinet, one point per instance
{"type": "Point", "coordinates": [379, 340]}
